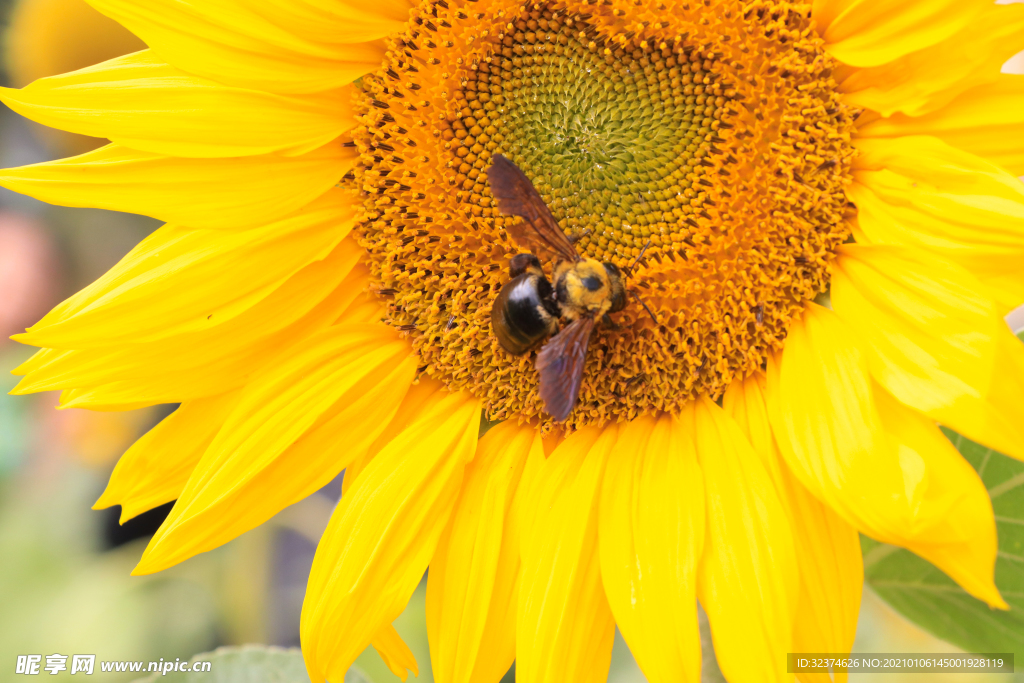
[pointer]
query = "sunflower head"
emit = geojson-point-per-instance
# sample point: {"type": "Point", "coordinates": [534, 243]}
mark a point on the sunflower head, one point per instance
{"type": "Point", "coordinates": [721, 138]}
{"type": "Point", "coordinates": [713, 136]}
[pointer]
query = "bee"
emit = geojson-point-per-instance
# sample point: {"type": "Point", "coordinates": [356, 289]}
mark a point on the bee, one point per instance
{"type": "Point", "coordinates": [529, 308]}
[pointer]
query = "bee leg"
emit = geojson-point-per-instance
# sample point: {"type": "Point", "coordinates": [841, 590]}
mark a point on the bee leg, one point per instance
{"type": "Point", "coordinates": [520, 263]}
{"type": "Point", "coordinates": [639, 298]}
{"type": "Point", "coordinates": [607, 321]}
{"type": "Point", "coordinates": [573, 239]}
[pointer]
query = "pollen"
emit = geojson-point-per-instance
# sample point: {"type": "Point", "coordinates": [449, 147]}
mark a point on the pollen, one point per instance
{"type": "Point", "coordinates": [710, 143]}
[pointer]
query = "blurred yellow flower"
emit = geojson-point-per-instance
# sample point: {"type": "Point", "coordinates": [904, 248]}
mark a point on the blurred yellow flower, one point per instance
{"type": "Point", "coordinates": [320, 301]}
{"type": "Point", "coordinates": [50, 37]}
{"type": "Point", "coordinates": [97, 439]}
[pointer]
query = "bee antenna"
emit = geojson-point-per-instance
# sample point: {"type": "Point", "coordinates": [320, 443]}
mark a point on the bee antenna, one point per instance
{"type": "Point", "coordinates": [629, 269]}
{"type": "Point", "coordinates": [644, 304]}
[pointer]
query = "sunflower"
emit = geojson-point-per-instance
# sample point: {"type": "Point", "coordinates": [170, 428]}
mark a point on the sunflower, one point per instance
{"type": "Point", "coordinates": [827, 197]}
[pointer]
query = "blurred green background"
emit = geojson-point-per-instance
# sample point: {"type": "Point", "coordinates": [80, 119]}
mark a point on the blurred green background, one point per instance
{"type": "Point", "coordinates": [64, 575]}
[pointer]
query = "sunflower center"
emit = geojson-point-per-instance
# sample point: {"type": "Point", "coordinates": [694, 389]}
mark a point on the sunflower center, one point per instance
{"type": "Point", "coordinates": [611, 136]}
{"type": "Point", "coordinates": [714, 137]}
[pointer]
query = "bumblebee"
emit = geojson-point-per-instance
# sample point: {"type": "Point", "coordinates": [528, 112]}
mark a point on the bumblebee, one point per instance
{"type": "Point", "coordinates": [528, 308]}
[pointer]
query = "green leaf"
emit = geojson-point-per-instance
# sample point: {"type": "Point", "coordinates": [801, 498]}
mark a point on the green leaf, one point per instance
{"type": "Point", "coordinates": [486, 425]}
{"type": "Point", "coordinates": [929, 598]}
{"type": "Point", "coordinates": [248, 664]}
{"type": "Point", "coordinates": [354, 675]}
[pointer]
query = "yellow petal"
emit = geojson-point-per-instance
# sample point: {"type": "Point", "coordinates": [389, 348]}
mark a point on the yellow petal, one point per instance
{"type": "Point", "coordinates": [40, 359]}
{"type": "Point", "coordinates": [1005, 289]}
{"type": "Point", "coordinates": [951, 523]}
{"type": "Point", "coordinates": [831, 579]}
{"type": "Point", "coordinates": [925, 80]}
{"type": "Point", "coordinates": [473, 583]}
{"type": "Point", "coordinates": [940, 166]}
{"type": "Point", "coordinates": [895, 209]}
{"type": "Point", "coordinates": [564, 627]}
{"type": "Point", "coordinates": [199, 193]}
{"type": "Point", "coordinates": [69, 395]}
{"type": "Point", "coordinates": [182, 281]}
{"type": "Point", "coordinates": [395, 653]}
{"type": "Point", "coordinates": [157, 466]}
{"type": "Point", "coordinates": [827, 548]}
{"type": "Point", "coordinates": [277, 46]}
{"type": "Point", "coordinates": [651, 534]}
{"type": "Point", "coordinates": [884, 468]}
{"type": "Point", "coordinates": [339, 21]}
{"type": "Point", "coordinates": [872, 32]}
{"type": "Point", "coordinates": [747, 578]}
{"type": "Point", "coordinates": [985, 120]}
{"type": "Point", "coordinates": [823, 415]}
{"type": "Point", "coordinates": [47, 37]}
{"type": "Point", "coordinates": [921, 192]}
{"type": "Point", "coordinates": [290, 433]}
{"type": "Point", "coordinates": [211, 361]}
{"type": "Point", "coordinates": [383, 533]}
{"type": "Point", "coordinates": [934, 341]}
{"type": "Point", "coordinates": [416, 400]}
{"type": "Point", "coordinates": [139, 101]}
{"type": "Point", "coordinates": [365, 308]}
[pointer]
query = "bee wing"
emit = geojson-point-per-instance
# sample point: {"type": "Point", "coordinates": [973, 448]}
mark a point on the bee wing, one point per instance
{"type": "Point", "coordinates": [560, 364]}
{"type": "Point", "coordinates": [517, 196]}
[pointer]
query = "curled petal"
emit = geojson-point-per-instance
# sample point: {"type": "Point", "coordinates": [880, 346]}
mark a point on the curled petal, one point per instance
{"type": "Point", "coordinates": [396, 654]}
{"type": "Point", "coordinates": [211, 361]}
{"type": "Point", "coordinates": [180, 281]}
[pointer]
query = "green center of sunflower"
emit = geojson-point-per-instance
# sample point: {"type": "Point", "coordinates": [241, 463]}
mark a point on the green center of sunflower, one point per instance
{"type": "Point", "coordinates": [715, 136]}
{"type": "Point", "coordinates": [612, 137]}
